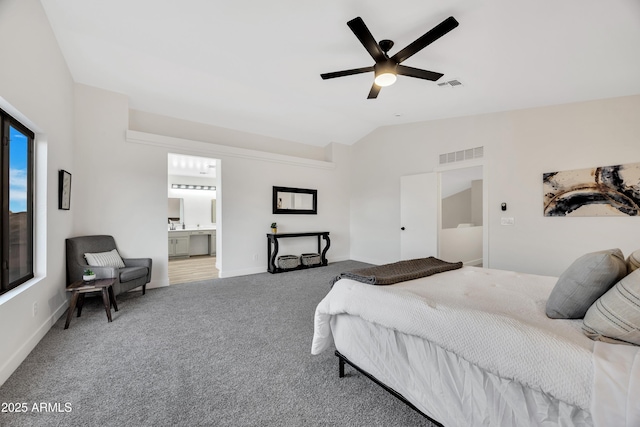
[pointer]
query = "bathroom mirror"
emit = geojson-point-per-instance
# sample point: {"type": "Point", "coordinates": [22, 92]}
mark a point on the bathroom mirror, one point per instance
{"type": "Point", "coordinates": [175, 209]}
{"type": "Point", "coordinates": [288, 200]}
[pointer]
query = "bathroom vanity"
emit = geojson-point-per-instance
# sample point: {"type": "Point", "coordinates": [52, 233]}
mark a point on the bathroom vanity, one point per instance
{"type": "Point", "coordinates": [187, 242]}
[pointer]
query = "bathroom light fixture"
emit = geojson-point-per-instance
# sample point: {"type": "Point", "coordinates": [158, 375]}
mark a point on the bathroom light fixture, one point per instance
{"type": "Point", "coordinates": [193, 187]}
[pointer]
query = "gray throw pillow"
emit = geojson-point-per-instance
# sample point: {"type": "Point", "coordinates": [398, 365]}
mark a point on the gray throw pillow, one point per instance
{"type": "Point", "coordinates": [615, 316]}
{"type": "Point", "coordinates": [586, 280]}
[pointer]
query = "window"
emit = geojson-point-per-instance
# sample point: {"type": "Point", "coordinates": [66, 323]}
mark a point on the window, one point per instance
{"type": "Point", "coordinates": [16, 187]}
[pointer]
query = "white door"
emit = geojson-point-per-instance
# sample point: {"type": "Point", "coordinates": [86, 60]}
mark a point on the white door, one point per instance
{"type": "Point", "coordinates": [418, 216]}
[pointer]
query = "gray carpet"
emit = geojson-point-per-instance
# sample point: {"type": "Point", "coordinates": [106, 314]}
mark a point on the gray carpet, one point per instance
{"type": "Point", "coordinates": [225, 352]}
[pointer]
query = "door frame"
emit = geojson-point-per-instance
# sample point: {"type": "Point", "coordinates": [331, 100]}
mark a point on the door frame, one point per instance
{"type": "Point", "coordinates": [485, 199]}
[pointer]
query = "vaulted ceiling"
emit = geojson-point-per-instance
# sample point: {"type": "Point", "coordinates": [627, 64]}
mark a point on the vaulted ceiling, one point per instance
{"type": "Point", "coordinates": [255, 66]}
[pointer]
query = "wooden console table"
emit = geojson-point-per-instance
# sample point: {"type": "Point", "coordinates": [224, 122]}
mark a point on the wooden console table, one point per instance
{"type": "Point", "coordinates": [272, 249]}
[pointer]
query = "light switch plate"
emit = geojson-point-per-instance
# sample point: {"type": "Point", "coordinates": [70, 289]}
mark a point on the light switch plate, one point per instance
{"type": "Point", "coordinates": [507, 220]}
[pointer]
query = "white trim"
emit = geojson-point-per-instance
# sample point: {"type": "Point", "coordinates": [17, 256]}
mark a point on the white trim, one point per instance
{"type": "Point", "coordinates": [155, 284]}
{"type": "Point", "coordinates": [13, 112]}
{"type": "Point", "coordinates": [40, 171]}
{"type": "Point", "coordinates": [460, 165]}
{"type": "Point", "coordinates": [368, 260]}
{"type": "Point", "coordinates": [12, 293]}
{"type": "Point", "coordinates": [337, 259]}
{"type": "Point", "coordinates": [241, 272]}
{"type": "Point", "coordinates": [25, 349]}
{"type": "Point", "coordinates": [40, 238]}
{"type": "Point", "coordinates": [257, 270]}
{"type": "Point", "coordinates": [219, 151]}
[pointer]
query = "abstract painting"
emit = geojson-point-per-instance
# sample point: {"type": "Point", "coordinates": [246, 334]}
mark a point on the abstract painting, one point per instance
{"type": "Point", "coordinates": [601, 191]}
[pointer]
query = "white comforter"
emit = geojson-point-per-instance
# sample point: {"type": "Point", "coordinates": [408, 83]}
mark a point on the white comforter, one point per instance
{"type": "Point", "coordinates": [494, 319]}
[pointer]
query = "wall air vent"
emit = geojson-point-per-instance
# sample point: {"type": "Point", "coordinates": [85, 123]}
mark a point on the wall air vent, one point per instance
{"type": "Point", "coordinates": [451, 83]}
{"type": "Point", "coordinates": [459, 156]}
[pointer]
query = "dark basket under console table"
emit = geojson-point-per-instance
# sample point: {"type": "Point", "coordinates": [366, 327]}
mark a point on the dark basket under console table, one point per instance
{"type": "Point", "coordinates": [272, 249]}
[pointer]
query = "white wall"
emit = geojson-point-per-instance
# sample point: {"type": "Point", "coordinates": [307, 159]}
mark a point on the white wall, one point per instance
{"type": "Point", "coordinates": [120, 188]}
{"type": "Point", "coordinates": [461, 244]}
{"type": "Point", "coordinates": [36, 85]}
{"type": "Point", "coordinates": [178, 128]}
{"type": "Point", "coordinates": [519, 146]}
{"type": "Point", "coordinates": [247, 205]}
{"type": "Point", "coordinates": [456, 209]}
{"type": "Point", "coordinates": [124, 190]}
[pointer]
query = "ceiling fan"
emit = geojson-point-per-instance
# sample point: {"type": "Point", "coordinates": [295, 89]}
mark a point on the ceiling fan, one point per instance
{"type": "Point", "coordinates": [387, 68]}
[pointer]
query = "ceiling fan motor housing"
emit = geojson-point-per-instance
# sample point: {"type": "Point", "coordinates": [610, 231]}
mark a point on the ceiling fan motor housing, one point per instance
{"type": "Point", "coordinates": [385, 45]}
{"type": "Point", "coordinates": [389, 66]}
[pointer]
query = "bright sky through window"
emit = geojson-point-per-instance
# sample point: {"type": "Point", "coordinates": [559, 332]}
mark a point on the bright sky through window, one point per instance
{"type": "Point", "coordinates": [18, 149]}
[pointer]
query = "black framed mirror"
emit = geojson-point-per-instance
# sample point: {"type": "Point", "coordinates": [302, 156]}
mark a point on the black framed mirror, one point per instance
{"type": "Point", "coordinates": [288, 200]}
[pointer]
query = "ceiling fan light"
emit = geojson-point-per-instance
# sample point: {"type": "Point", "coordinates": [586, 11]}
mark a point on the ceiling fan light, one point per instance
{"type": "Point", "coordinates": [385, 79]}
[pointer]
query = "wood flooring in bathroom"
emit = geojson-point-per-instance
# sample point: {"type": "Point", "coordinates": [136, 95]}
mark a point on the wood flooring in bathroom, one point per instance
{"type": "Point", "coordinates": [192, 269]}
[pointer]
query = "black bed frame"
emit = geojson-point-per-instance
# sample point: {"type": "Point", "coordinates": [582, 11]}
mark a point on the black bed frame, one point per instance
{"type": "Point", "coordinates": [342, 360]}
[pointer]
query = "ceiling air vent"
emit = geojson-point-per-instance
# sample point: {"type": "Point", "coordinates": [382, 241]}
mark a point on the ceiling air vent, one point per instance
{"type": "Point", "coordinates": [452, 83]}
{"type": "Point", "coordinates": [458, 156]}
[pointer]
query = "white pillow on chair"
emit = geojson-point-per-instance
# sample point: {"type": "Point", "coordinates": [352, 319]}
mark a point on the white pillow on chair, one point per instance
{"type": "Point", "coordinates": [105, 259]}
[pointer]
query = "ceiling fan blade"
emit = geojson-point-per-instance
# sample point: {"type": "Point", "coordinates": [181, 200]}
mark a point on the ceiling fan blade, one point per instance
{"type": "Point", "coordinates": [417, 72]}
{"type": "Point", "coordinates": [426, 39]}
{"type": "Point", "coordinates": [335, 74]}
{"type": "Point", "coordinates": [363, 34]}
{"type": "Point", "coordinates": [373, 93]}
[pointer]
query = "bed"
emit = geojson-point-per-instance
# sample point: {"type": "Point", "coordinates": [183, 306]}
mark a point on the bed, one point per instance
{"type": "Point", "coordinates": [473, 346]}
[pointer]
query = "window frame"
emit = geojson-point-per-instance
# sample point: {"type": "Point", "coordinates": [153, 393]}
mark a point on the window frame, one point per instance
{"type": "Point", "coordinates": [6, 122]}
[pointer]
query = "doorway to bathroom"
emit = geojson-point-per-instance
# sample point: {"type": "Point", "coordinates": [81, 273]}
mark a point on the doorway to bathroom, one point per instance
{"type": "Point", "coordinates": [192, 218]}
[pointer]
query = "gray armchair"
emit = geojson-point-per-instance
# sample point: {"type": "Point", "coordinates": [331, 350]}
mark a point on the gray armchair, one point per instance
{"type": "Point", "coordinates": [136, 273]}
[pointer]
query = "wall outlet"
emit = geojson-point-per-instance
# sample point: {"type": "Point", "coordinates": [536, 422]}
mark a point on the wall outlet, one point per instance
{"type": "Point", "coordinates": [255, 257]}
{"type": "Point", "coordinates": [507, 220]}
{"type": "Point", "coordinates": [35, 309]}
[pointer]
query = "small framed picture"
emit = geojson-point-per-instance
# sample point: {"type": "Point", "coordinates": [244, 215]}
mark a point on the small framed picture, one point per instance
{"type": "Point", "coordinates": [64, 190]}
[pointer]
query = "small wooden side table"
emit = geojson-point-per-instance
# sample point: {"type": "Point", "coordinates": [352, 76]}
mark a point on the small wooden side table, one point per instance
{"type": "Point", "coordinates": [81, 287]}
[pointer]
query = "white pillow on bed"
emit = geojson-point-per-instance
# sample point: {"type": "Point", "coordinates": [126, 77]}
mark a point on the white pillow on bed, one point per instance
{"type": "Point", "coordinates": [586, 279]}
{"type": "Point", "coordinates": [615, 316]}
{"type": "Point", "coordinates": [104, 259]}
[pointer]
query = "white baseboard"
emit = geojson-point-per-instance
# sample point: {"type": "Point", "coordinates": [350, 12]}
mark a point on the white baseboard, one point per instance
{"type": "Point", "coordinates": [156, 284]}
{"type": "Point", "coordinates": [255, 270]}
{"type": "Point", "coordinates": [370, 261]}
{"type": "Point", "coordinates": [339, 259]}
{"type": "Point", "coordinates": [241, 272]}
{"type": "Point", "coordinates": [21, 354]}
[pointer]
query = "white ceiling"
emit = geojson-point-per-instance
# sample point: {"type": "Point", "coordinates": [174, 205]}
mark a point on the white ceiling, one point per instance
{"type": "Point", "coordinates": [255, 65]}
